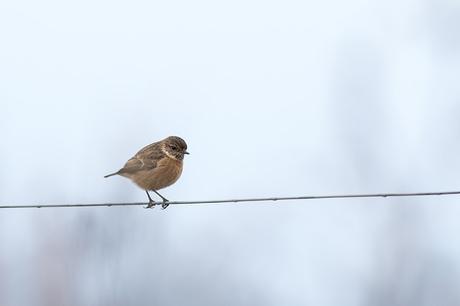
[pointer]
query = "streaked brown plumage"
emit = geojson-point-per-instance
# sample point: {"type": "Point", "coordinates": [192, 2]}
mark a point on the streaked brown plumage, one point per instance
{"type": "Point", "coordinates": [156, 166]}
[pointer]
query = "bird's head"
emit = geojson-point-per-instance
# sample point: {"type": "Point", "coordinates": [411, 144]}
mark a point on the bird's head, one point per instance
{"type": "Point", "coordinates": [175, 147]}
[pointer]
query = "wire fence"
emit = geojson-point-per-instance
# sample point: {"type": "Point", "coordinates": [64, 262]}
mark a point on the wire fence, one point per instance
{"type": "Point", "coordinates": [271, 199]}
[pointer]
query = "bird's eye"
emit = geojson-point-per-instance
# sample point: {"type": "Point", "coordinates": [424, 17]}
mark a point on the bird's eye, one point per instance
{"type": "Point", "coordinates": [174, 148]}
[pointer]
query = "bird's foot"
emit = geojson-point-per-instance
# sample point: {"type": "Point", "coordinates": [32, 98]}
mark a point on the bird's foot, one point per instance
{"type": "Point", "coordinates": [151, 204]}
{"type": "Point", "coordinates": [164, 204]}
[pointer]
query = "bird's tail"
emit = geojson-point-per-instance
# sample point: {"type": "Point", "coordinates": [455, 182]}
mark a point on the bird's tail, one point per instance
{"type": "Point", "coordinates": [111, 174]}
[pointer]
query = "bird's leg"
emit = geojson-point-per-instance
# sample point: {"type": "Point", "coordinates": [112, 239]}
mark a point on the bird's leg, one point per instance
{"type": "Point", "coordinates": [165, 201]}
{"type": "Point", "coordinates": [162, 197]}
{"type": "Point", "coordinates": [151, 202]}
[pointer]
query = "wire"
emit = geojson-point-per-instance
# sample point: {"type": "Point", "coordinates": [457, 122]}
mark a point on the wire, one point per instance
{"type": "Point", "coordinates": [318, 197]}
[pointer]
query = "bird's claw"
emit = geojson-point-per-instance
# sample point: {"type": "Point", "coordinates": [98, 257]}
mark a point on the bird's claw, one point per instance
{"type": "Point", "coordinates": [164, 204]}
{"type": "Point", "coordinates": [150, 205]}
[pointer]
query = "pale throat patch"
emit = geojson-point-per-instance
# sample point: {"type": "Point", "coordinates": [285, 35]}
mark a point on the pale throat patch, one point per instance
{"type": "Point", "coordinates": [163, 149]}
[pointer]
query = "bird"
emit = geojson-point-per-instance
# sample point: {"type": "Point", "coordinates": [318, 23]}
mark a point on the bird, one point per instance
{"type": "Point", "coordinates": [156, 166]}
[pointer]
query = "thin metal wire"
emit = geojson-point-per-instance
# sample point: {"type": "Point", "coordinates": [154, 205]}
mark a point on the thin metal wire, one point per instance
{"type": "Point", "coordinates": [318, 197]}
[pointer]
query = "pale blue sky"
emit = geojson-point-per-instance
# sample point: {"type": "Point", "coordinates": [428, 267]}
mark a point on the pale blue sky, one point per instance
{"type": "Point", "coordinates": [274, 98]}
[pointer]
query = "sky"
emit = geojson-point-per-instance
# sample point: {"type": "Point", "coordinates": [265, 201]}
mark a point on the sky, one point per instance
{"type": "Point", "coordinates": [277, 98]}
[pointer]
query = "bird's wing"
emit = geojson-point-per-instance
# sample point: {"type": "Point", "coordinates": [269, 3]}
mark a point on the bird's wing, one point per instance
{"type": "Point", "coordinates": [136, 164]}
{"type": "Point", "coordinates": [151, 148]}
{"type": "Point", "coordinates": [145, 159]}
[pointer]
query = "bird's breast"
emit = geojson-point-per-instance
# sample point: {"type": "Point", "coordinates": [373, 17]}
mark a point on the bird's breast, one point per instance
{"type": "Point", "coordinates": [166, 173]}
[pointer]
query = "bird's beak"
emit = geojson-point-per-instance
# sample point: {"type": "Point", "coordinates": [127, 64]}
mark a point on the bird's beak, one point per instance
{"type": "Point", "coordinates": [185, 152]}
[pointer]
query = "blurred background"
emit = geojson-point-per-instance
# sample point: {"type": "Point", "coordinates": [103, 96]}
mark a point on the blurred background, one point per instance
{"type": "Point", "coordinates": [275, 98]}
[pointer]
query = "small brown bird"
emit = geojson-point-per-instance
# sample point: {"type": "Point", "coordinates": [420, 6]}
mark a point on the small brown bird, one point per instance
{"type": "Point", "coordinates": [156, 166]}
